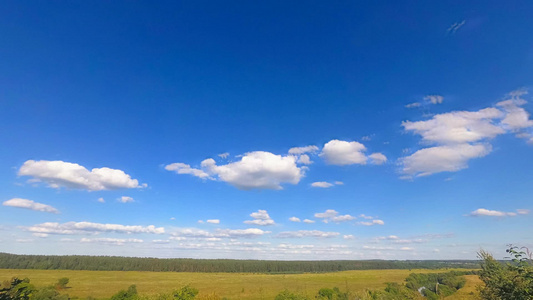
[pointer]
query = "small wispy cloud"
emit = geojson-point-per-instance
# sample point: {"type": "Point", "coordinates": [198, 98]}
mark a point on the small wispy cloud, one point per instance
{"type": "Point", "coordinates": [125, 199]}
{"type": "Point", "coordinates": [30, 204]}
{"type": "Point", "coordinates": [495, 213]}
{"type": "Point", "coordinates": [455, 26]}
{"type": "Point", "coordinates": [325, 184]}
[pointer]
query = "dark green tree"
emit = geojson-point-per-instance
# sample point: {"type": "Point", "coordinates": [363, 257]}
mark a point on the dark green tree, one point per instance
{"type": "Point", "coordinates": [16, 289]}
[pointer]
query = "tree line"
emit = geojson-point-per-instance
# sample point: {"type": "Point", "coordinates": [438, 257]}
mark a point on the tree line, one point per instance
{"type": "Point", "coordinates": [117, 263]}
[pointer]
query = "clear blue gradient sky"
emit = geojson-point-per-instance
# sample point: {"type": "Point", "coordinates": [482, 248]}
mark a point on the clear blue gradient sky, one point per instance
{"type": "Point", "coordinates": [266, 130]}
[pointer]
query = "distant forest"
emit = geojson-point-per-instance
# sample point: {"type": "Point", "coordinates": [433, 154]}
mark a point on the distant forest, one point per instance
{"type": "Point", "coordinates": [118, 263]}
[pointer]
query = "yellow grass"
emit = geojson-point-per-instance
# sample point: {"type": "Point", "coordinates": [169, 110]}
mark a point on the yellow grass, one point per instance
{"type": "Point", "coordinates": [103, 284]}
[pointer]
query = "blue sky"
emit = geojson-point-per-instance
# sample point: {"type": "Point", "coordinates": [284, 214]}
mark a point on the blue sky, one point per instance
{"type": "Point", "coordinates": [303, 130]}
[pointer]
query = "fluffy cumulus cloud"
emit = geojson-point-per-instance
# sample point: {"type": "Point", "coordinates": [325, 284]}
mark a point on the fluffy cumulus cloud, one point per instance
{"type": "Point", "coordinates": [294, 219]}
{"type": "Point", "coordinates": [307, 221]}
{"type": "Point", "coordinates": [457, 137]}
{"type": "Point", "coordinates": [70, 175]}
{"type": "Point", "coordinates": [260, 218]}
{"type": "Point", "coordinates": [255, 170]}
{"type": "Point", "coordinates": [378, 158]}
{"type": "Point", "coordinates": [304, 159]}
{"type": "Point", "coordinates": [213, 221]}
{"type": "Point", "coordinates": [516, 117]}
{"type": "Point", "coordinates": [91, 228]}
{"type": "Point", "coordinates": [29, 204]}
{"type": "Point", "coordinates": [340, 153]}
{"type": "Point", "coordinates": [458, 127]}
{"type": "Point", "coordinates": [494, 213]}
{"type": "Point", "coordinates": [449, 158]}
{"type": "Point", "coordinates": [331, 215]}
{"type": "Point", "coordinates": [307, 233]}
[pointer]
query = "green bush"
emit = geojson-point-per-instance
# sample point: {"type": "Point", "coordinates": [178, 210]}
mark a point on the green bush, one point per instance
{"type": "Point", "coordinates": [287, 295]}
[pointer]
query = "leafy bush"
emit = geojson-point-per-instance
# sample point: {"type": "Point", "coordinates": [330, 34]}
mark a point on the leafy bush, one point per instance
{"type": "Point", "coordinates": [331, 294]}
{"type": "Point", "coordinates": [129, 294]}
{"type": "Point", "coordinates": [511, 281]}
{"type": "Point", "coordinates": [287, 295]}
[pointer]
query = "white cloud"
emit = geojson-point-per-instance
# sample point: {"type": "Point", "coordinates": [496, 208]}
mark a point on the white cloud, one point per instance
{"type": "Point", "coordinates": [29, 204]}
{"type": "Point", "coordinates": [516, 117]}
{"type": "Point", "coordinates": [24, 240]}
{"type": "Point", "coordinates": [91, 228]}
{"type": "Point", "coordinates": [340, 153]}
{"type": "Point", "coordinates": [363, 216]}
{"type": "Point", "coordinates": [260, 218]}
{"type": "Point", "coordinates": [111, 241]}
{"type": "Point", "coordinates": [415, 104]}
{"type": "Point", "coordinates": [324, 184]}
{"type": "Point", "coordinates": [321, 184]}
{"type": "Point", "coordinates": [434, 99]}
{"type": "Point", "coordinates": [348, 237]}
{"type": "Point", "coordinates": [181, 233]}
{"type": "Point", "coordinates": [302, 150]}
{"type": "Point", "coordinates": [181, 168]}
{"type": "Point", "coordinates": [224, 155]}
{"type": "Point", "coordinates": [161, 241]}
{"type": "Point", "coordinates": [378, 158]}
{"type": "Point", "coordinates": [70, 175]}
{"type": "Point", "coordinates": [437, 159]}
{"type": "Point", "coordinates": [458, 127]}
{"type": "Point", "coordinates": [463, 135]}
{"type": "Point", "coordinates": [304, 159]}
{"type": "Point", "coordinates": [331, 215]}
{"type": "Point", "coordinates": [213, 221]}
{"type": "Point", "coordinates": [41, 235]}
{"type": "Point", "coordinates": [294, 219]}
{"type": "Point", "coordinates": [101, 200]}
{"type": "Point", "coordinates": [372, 223]}
{"type": "Point", "coordinates": [429, 99]}
{"type": "Point", "coordinates": [125, 199]}
{"type": "Point", "coordinates": [307, 221]}
{"type": "Point", "coordinates": [389, 238]}
{"type": "Point", "coordinates": [307, 233]}
{"type": "Point", "coordinates": [494, 213]}
{"type": "Point", "coordinates": [257, 170]}
{"type": "Point", "coordinates": [455, 26]}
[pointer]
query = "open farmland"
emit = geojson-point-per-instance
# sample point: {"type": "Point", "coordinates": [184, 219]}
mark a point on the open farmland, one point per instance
{"type": "Point", "coordinates": [103, 284]}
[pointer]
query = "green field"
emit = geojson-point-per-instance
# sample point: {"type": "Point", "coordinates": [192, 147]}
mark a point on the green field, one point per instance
{"type": "Point", "coordinates": [103, 284]}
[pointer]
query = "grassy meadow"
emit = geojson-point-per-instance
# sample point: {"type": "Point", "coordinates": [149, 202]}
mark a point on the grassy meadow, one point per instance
{"type": "Point", "coordinates": [103, 284]}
